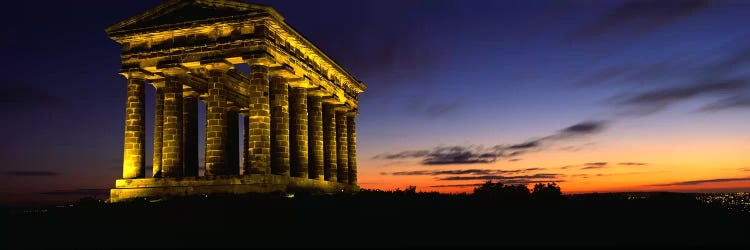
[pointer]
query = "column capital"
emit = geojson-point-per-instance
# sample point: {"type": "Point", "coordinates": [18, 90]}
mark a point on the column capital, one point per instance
{"type": "Point", "coordinates": [335, 98]}
{"type": "Point", "coordinates": [134, 73]}
{"type": "Point", "coordinates": [285, 70]}
{"type": "Point", "coordinates": [171, 68]}
{"type": "Point", "coordinates": [190, 93]}
{"type": "Point", "coordinates": [352, 112]}
{"type": "Point", "coordinates": [259, 57]}
{"type": "Point", "coordinates": [300, 82]}
{"type": "Point", "coordinates": [317, 91]}
{"type": "Point", "coordinates": [157, 82]}
{"type": "Point", "coordinates": [216, 64]}
{"type": "Point", "coordinates": [342, 107]}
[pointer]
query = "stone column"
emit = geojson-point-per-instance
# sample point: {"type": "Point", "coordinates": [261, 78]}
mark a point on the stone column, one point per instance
{"type": "Point", "coordinates": [342, 164]}
{"type": "Point", "coordinates": [315, 136]}
{"type": "Point", "coordinates": [133, 162]}
{"type": "Point", "coordinates": [190, 133]}
{"type": "Point", "coordinates": [259, 139]}
{"type": "Point", "coordinates": [298, 131]}
{"type": "Point", "coordinates": [158, 129]}
{"type": "Point", "coordinates": [216, 120]}
{"type": "Point", "coordinates": [351, 136]}
{"type": "Point", "coordinates": [329, 142]}
{"type": "Point", "coordinates": [245, 140]}
{"type": "Point", "coordinates": [172, 162]}
{"type": "Point", "coordinates": [279, 92]}
{"type": "Point", "coordinates": [233, 137]}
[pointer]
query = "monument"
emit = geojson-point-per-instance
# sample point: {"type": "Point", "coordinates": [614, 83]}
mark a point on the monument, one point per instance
{"type": "Point", "coordinates": [298, 107]}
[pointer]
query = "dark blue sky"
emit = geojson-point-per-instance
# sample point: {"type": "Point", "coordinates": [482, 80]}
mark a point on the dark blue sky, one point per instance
{"type": "Point", "coordinates": [657, 75]}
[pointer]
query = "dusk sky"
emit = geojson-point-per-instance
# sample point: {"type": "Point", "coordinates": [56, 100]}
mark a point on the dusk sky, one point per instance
{"type": "Point", "coordinates": [597, 96]}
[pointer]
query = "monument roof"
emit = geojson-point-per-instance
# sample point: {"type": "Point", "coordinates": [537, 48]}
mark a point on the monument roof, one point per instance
{"type": "Point", "coordinates": [186, 11]}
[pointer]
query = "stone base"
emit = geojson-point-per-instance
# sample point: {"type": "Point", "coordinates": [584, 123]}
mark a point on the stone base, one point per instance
{"type": "Point", "coordinates": [127, 189]}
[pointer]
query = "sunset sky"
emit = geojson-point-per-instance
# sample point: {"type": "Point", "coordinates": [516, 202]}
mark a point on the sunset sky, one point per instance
{"type": "Point", "coordinates": [597, 96]}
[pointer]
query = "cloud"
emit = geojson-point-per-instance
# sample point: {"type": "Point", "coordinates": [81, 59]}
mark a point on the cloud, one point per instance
{"type": "Point", "coordinates": [735, 102]}
{"type": "Point", "coordinates": [91, 191]}
{"type": "Point", "coordinates": [526, 145]}
{"type": "Point", "coordinates": [655, 100]}
{"type": "Point", "coordinates": [594, 165]}
{"type": "Point", "coordinates": [744, 169]}
{"type": "Point", "coordinates": [403, 155]}
{"type": "Point", "coordinates": [632, 164]}
{"type": "Point", "coordinates": [581, 129]}
{"type": "Point", "coordinates": [638, 17]}
{"type": "Point", "coordinates": [443, 155]}
{"type": "Point", "coordinates": [697, 182]}
{"type": "Point", "coordinates": [459, 155]}
{"type": "Point", "coordinates": [515, 160]}
{"type": "Point", "coordinates": [30, 173]}
{"type": "Point", "coordinates": [465, 172]}
{"type": "Point", "coordinates": [576, 148]}
{"type": "Point", "coordinates": [457, 185]}
{"type": "Point", "coordinates": [500, 177]}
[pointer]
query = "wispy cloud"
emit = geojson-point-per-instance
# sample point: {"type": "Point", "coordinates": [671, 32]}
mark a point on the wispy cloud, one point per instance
{"type": "Point", "coordinates": [632, 164]}
{"type": "Point", "coordinates": [457, 185]}
{"type": "Point", "coordinates": [30, 173]}
{"type": "Point", "coordinates": [501, 177]}
{"type": "Point", "coordinates": [466, 172]}
{"type": "Point", "coordinates": [594, 165]}
{"type": "Point", "coordinates": [656, 100]}
{"type": "Point", "coordinates": [459, 155]}
{"type": "Point", "coordinates": [734, 102]}
{"type": "Point", "coordinates": [697, 182]}
{"type": "Point", "coordinates": [443, 155]}
{"type": "Point", "coordinates": [638, 17]}
{"type": "Point", "coordinates": [403, 154]}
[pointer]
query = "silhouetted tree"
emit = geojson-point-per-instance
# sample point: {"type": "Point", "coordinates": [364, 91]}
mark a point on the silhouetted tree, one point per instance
{"type": "Point", "coordinates": [502, 192]}
{"type": "Point", "coordinates": [549, 191]}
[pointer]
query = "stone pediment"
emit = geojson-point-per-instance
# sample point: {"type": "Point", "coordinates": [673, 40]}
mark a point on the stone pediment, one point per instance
{"type": "Point", "coordinates": [188, 11]}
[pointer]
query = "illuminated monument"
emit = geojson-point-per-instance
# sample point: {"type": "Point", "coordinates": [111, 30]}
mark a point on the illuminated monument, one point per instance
{"type": "Point", "coordinates": [297, 105]}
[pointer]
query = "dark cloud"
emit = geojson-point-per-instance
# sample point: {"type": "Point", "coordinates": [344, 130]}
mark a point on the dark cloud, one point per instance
{"type": "Point", "coordinates": [632, 164]}
{"type": "Point", "coordinates": [594, 165]}
{"type": "Point", "coordinates": [736, 102]}
{"type": "Point", "coordinates": [582, 129]}
{"type": "Point", "coordinates": [459, 155]}
{"type": "Point", "coordinates": [403, 155]}
{"type": "Point", "coordinates": [655, 100]}
{"type": "Point", "coordinates": [515, 159]}
{"type": "Point", "coordinates": [526, 145]}
{"type": "Point", "coordinates": [466, 172]}
{"type": "Point", "coordinates": [679, 93]}
{"type": "Point", "coordinates": [15, 97]}
{"type": "Point", "coordinates": [30, 173]}
{"type": "Point", "coordinates": [696, 182]}
{"type": "Point", "coordinates": [500, 177]}
{"type": "Point", "coordinates": [745, 169]}
{"type": "Point", "coordinates": [458, 185]}
{"type": "Point", "coordinates": [92, 192]}
{"type": "Point", "coordinates": [477, 154]}
{"type": "Point", "coordinates": [638, 17]}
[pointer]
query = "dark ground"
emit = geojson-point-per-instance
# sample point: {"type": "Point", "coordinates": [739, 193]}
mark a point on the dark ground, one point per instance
{"type": "Point", "coordinates": [376, 219]}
